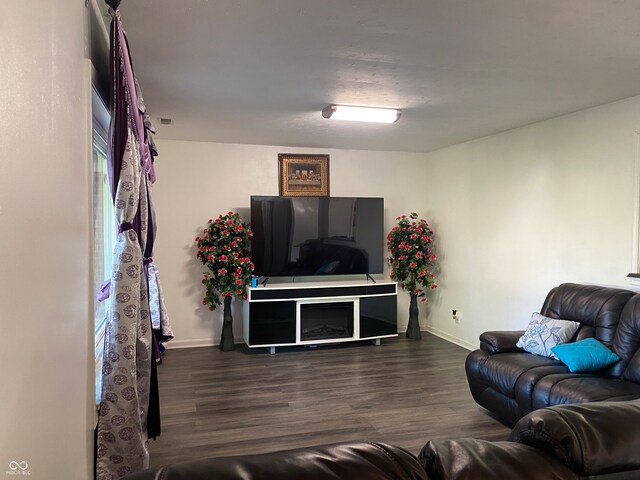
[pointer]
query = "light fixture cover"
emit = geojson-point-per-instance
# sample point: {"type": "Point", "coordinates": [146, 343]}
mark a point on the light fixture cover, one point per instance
{"type": "Point", "coordinates": [361, 114]}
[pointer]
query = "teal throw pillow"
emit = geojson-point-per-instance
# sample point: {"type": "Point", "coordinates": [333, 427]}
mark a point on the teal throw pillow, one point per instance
{"type": "Point", "coordinates": [543, 333]}
{"type": "Point", "coordinates": [585, 355]}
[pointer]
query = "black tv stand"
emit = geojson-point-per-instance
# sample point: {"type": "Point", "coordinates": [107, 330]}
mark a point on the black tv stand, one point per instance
{"type": "Point", "coordinates": [288, 314]}
{"type": "Point", "coordinates": [369, 277]}
{"type": "Point", "coordinates": [265, 281]}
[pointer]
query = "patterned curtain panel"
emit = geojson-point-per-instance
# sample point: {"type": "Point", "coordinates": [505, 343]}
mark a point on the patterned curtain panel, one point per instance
{"type": "Point", "coordinates": [137, 317]}
{"type": "Point", "coordinates": [159, 316]}
{"type": "Point", "coordinates": [122, 425]}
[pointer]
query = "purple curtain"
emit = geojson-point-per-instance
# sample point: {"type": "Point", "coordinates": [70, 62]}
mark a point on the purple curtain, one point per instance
{"type": "Point", "coordinates": [129, 407]}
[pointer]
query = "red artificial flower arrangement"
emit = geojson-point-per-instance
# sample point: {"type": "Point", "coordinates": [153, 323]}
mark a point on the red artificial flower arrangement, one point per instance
{"type": "Point", "coordinates": [412, 259]}
{"type": "Point", "coordinates": [224, 248]}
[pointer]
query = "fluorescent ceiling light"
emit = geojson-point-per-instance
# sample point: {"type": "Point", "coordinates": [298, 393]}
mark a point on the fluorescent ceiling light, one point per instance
{"type": "Point", "coordinates": [361, 114]}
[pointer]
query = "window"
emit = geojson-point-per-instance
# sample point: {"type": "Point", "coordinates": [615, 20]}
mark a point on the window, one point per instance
{"type": "Point", "coordinates": [104, 229]}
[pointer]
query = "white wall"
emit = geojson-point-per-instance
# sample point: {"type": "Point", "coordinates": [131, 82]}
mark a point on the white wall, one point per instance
{"type": "Point", "coordinates": [514, 214]}
{"type": "Point", "coordinates": [522, 211]}
{"type": "Point", "coordinates": [44, 241]}
{"type": "Point", "coordinates": [197, 181]}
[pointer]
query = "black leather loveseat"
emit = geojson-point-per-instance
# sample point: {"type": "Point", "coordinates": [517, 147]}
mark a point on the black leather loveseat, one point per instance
{"type": "Point", "coordinates": [569, 442]}
{"type": "Point", "coordinates": [511, 382]}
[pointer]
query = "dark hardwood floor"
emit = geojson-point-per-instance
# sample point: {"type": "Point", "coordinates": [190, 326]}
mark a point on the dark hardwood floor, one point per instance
{"type": "Point", "coordinates": [404, 392]}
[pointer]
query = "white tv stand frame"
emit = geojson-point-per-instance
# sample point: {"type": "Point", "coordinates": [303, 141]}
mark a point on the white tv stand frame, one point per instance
{"type": "Point", "coordinates": [272, 314]}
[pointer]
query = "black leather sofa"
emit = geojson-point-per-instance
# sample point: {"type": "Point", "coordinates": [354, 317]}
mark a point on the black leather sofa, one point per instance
{"type": "Point", "coordinates": [511, 382]}
{"type": "Point", "coordinates": [584, 441]}
{"type": "Point", "coordinates": [568, 442]}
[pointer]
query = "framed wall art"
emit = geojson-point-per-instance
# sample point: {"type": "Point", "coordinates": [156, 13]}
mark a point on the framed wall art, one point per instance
{"type": "Point", "coordinates": [303, 175]}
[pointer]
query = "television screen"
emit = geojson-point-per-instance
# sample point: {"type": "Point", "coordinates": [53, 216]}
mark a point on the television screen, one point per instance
{"type": "Point", "coordinates": [300, 236]}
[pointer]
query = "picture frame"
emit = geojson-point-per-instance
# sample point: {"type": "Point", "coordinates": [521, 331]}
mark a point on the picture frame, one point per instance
{"type": "Point", "coordinates": [303, 175]}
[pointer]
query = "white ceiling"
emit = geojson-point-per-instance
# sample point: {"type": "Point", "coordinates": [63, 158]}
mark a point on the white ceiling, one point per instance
{"type": "Point", "coordinates": [260, 71]}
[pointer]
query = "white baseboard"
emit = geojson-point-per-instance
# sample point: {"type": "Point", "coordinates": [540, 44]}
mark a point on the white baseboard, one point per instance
{"type": "Point", "coordinates": [209, 342]}
{"type": "Point", "coordinates": [196, 342]}
{"type": "Point", "coordinates": [452, 339]}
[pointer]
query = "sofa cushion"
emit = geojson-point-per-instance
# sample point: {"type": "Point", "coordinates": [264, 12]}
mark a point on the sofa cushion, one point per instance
{"type": "Point", "coordinates": [585, 355]}
{"type": "Point", "coordinates": [590, 438]}
{"type": "Point", "coordinates": [544, 333]}
{"type": "Point", "coordinates": [528, 380]}
{"type": "Point", "coordinates": [558, 389]}
{"type": "Point", "coordinates": [470, 459]}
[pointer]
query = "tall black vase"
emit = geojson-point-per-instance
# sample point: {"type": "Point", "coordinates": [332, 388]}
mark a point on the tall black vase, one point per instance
{"type": "Point", "coordinates": [226, 339]}
{"type": "Point", "coordinates": [413, 328]}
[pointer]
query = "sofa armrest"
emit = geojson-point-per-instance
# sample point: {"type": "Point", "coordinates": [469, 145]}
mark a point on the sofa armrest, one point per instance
{"type": "Point", "coordinates": [500, 342]}
{"type": "Point", "coordinates": [471, 459]}
{"type": "Point", "coordinates": [591, 438]}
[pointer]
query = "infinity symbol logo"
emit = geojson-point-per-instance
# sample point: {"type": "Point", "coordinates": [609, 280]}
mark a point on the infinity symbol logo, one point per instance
{"type": "Point", "coordinates": [18, 465]}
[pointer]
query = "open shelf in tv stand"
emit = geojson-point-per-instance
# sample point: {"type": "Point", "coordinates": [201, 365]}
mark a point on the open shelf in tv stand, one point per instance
{"type": "Point", "coordinates": [314, 313]}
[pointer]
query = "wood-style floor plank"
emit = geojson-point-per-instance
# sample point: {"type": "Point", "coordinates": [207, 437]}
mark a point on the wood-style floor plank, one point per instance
{"type": "Point", "coordinates": [404, 392]}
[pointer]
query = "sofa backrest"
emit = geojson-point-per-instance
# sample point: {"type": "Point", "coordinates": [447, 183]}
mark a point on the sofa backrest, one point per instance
{"type": "Point", "coordinates": [596, 440]}
{"type": "Point", "coordinates": [348, 460]}
{"type": "Point", "coordinates": [598, 309]}
{"type": "Point", "coordinates": [626, 342]}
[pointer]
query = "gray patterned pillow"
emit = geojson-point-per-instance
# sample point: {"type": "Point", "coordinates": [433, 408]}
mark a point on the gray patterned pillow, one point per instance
{"type": "Point", "coordinates": [544, 333]}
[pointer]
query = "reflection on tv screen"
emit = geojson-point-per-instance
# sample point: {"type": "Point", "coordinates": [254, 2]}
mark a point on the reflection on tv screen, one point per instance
{"type": "Point", "coordinates": [302, 236]}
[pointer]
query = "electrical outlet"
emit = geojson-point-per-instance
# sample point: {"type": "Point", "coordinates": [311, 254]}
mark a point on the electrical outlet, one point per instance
{"type": "Point", "coordinates": [456, 315]}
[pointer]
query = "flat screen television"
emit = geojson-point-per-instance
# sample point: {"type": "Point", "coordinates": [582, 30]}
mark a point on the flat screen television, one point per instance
{"type": "Point", "coordinates": [306, 236]}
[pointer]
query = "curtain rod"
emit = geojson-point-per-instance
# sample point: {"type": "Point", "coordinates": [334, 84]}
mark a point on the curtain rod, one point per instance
{"type": "Point", "coordinates": [114, 4]}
